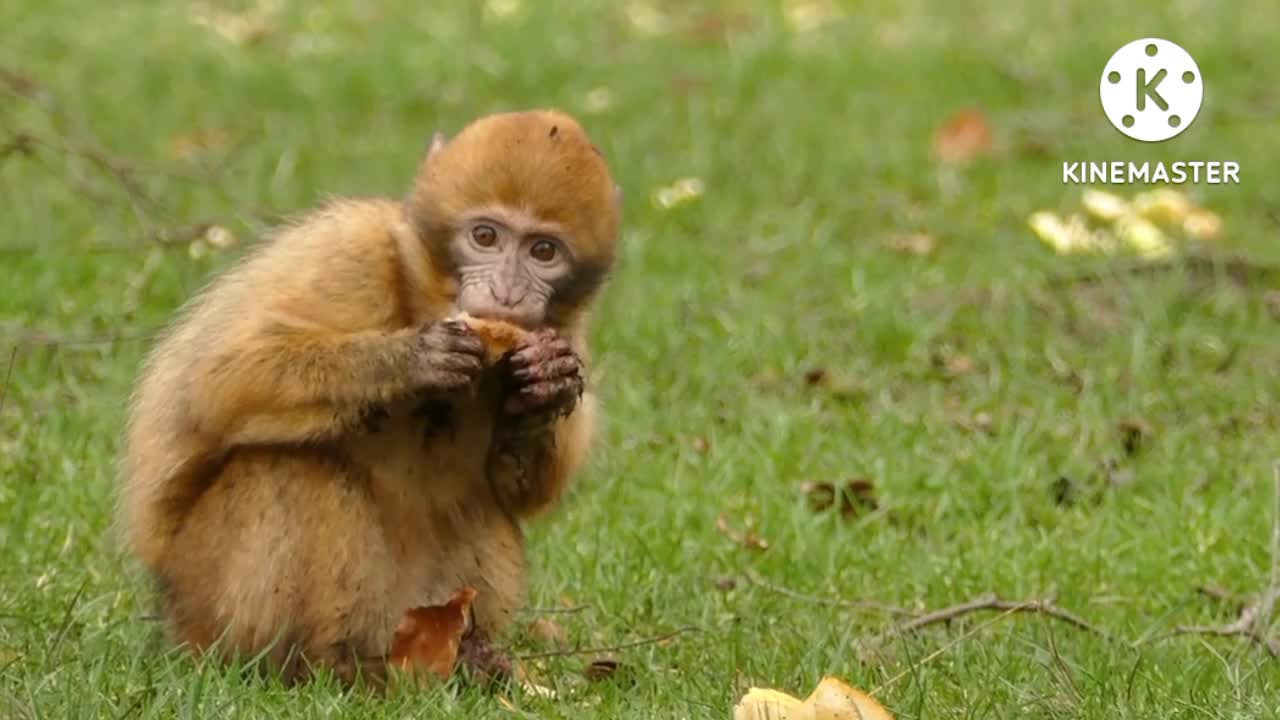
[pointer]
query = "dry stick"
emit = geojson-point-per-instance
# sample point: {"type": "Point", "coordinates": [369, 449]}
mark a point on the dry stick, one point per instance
{"type": "Point", "coordinates": [864, 605]}
{"type": "Point", "coordinates": [609, 649]}
{"type": "Point", "coordinates": [937, 653]}
{"type": "Point", "coordinates": [1255, 618]}
{"type": "Point", "coordinates": [8, 373]}
{"type": "Point", "coordinates": [1044, 607]}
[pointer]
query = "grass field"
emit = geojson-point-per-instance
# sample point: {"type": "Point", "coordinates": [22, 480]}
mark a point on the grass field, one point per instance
{"type": "Point", "coordinates": [1105, 443]}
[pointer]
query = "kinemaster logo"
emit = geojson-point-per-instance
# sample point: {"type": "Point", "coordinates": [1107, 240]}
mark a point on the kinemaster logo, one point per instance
{"type": "Point", "coordinates": [1151, 91]}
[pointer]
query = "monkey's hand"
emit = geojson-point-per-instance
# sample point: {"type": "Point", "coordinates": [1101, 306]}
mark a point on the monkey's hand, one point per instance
{"type": "Point", "coordinates": [450, 356]}
{"type": "Point", "coordinates": [547, 377]}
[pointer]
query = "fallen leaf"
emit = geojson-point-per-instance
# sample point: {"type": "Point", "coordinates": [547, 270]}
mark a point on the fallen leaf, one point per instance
{"type": "Point", "coordinates": [918, 244]}
{"type": "Point", "coordinates": [548, 631]}
{"type": "Point", "coordinates": [838, 385]}
{"type": "Point", "coordinates": [851, 498]}
{"type": "Point", "coordinates": [428, 638]}
{"type": "Point", "coordinates": [198, 141]}
{"type": "Point", "coordinates": [1063, 491]}
{"type": "Point", "coordinates": [748, 539]}
{"type": "Point", "coordinates": [726, 583]}
{"type": "Point", "coordinates": [600, 669]}
{"type": "Point", "coordinates": [701, 445]}
{"type": "Point", "coordinates": [963, 137]}
{"type": "Point", "coordinates": [1133, 433]}
{"type": "Point", "coordinates": [979, 422]}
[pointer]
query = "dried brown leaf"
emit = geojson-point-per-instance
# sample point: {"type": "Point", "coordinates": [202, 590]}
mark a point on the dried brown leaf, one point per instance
{"type": "Point", "coordinates": [700, 445]}
{"type": "Point", "coordinates": [600, 669]}
{"type": "Point", "coordinates": [918, 244]}
{"type": "Point", "coordinates": [851, 498]}
{"type": "Point", "coordinates": [748, 539]}
{"type": "Point", "coordinates": [963, 137]}
{"type": "Point", "coordinates": [428, 638]}
{"type": "Point", "coordinates": [836, 384]}
{"type": "Point", "coordinates": [200, 141]}
{"type": "Point", "coordinates": [1133, 434]}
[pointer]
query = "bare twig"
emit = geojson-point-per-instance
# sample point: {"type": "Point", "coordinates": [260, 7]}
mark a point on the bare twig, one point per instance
{"type": "Point", "coordinates": [940, 651]}
{"type": "Point", "coordinates": [990, 602]}
{"type": "Point", "coordinates": [1239, 269]}
{"type": "Point", "coordinates": [863, 605]}
{"type": "Point", "coordinates": [556, 610]}
{"type": "Point", "coordinates": [1254, 620]}
{"type": "Point", "coordinates": [610, 649]}
{"type": "Point", "coordinates": [31, 338]}
{"type": "Point", "coordinates": [8, 373]}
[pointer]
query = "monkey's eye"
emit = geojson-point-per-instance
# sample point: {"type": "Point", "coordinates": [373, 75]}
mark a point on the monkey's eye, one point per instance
{"type": "Point", "coordinates": [543, 251]}
{"type": "Point", "coordinates": [484, 236]}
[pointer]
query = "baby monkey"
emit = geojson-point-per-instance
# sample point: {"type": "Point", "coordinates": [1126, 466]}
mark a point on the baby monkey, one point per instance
{"type": "Point", "coordinates": [323, 439]}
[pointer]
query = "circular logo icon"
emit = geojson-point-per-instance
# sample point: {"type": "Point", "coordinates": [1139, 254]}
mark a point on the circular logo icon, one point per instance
{"type": "Point", "coordinates": [1151, 89]}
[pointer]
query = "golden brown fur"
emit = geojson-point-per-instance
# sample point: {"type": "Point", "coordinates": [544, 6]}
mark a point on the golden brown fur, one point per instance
{"type": "Point", "coordinates": [284, 482]}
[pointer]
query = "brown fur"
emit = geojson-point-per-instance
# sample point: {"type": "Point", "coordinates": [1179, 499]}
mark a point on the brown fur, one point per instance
{"type": "Point", "coordinates": [257, 491]}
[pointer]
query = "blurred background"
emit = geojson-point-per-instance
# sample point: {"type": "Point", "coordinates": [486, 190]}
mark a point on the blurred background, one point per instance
{"type": "Point", "coordinates": [837, 356]}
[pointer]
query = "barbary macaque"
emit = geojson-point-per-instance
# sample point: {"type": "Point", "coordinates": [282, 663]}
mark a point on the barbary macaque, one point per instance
{"type": "Point", "coordinates": [356, 419]}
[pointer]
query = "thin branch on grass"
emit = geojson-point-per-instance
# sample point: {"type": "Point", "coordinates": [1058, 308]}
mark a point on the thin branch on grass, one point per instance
{"type": "Point", "coordinates": [940, 651]}
{"type": "Point", "coordinates": [991, 602]}
{"type": "Point", "coordinates": [1254, 619]}
{"type": "Point", "coordinates": [556, 610]}
{"type": "Point", "coordinates": [37, 339]}
{"type": "Point", "coordinates": [863, 605]}
{"type": "Point", "coordinates": [8, 374]}
{"type": "Point", "coordinates": [1239, 269]}
{"type": "Point", "coordinates": [570, 652]}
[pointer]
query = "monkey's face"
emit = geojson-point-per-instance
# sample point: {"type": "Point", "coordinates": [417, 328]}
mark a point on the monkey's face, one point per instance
{"type": "Point", "coordinates": [510, 266]}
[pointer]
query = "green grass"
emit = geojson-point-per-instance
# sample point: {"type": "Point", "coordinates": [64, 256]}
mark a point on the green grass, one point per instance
{"type": "Point", "coordinates": [813, 148]}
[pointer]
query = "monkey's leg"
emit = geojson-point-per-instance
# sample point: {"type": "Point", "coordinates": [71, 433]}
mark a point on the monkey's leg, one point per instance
{"type": "Point", "coordinates": [285, 555]}
{"type": "Point", "coordinates": [533, 459]}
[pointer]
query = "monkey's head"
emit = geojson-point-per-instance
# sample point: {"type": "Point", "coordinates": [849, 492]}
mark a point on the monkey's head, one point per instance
{"type": "Point", "coordinates": [520, 215]}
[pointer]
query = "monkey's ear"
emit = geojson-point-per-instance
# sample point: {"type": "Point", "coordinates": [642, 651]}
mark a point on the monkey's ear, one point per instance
{"type": "Point", "coordinates": [437, 142]}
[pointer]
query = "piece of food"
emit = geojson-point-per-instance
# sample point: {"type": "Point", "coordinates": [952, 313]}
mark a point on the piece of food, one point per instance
{"type": "Point", "coordinates": [832, 699]}
{"type": "Point", "coordinates": [499, 337]}
{"type": "Point", "coordinates": [835, 699]}
{"type": "Point", "coordinates": [428, 638]}
{"type": "Point", "coordinates": [765, 704]}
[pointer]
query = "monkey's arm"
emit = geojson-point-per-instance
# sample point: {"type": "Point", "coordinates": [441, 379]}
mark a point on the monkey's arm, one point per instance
{"type": "Point", "coordinates": [533, 460]}
{"type": "Point", "coordinates": [310, 336]}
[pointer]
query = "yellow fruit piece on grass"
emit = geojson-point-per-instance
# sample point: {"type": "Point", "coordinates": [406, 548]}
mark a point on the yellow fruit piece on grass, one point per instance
{"type": "Point", "coordinates": [1165, 206]}
{"type": "Point", "coordinates": [835, 699]}
{"type": "Point", "coordinates": [1104, 205]}
{"type": "Point", "coordinates": [765, 704]}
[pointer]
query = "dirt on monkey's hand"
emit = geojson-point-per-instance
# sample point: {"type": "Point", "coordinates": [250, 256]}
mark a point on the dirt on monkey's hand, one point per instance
{"type": "Point", "coordinates": [548, 375]}
{"type": "Point", "coordinates": [428, 638]}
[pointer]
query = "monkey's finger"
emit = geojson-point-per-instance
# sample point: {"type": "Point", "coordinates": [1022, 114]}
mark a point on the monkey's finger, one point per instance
{"type": "Point", "coordinates": [465, 345]}
{"type": "Point", "coordinates": [557, 367]}
{"type": "Point", "coordinates": [449, 380]}
{"type": "Point", "coordinates": [457, 362]}
{"type": "Point", "coordinates": [543, 395]}
{"type": "Point", "coordinates": [541, 352]}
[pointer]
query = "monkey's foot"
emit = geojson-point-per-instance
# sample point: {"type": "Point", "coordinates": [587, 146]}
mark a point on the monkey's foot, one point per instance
{"type": "Point", "coordinates": [484, 663]}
